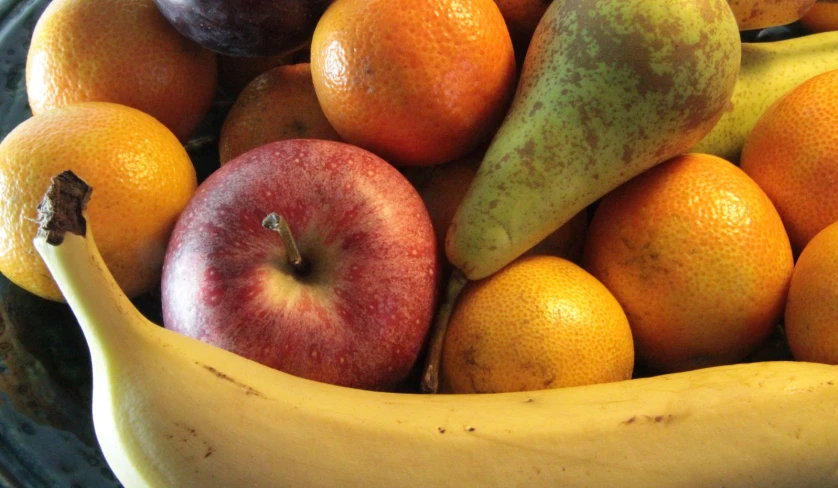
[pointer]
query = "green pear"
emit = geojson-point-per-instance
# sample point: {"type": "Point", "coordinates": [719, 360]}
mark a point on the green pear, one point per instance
{"type": "Point", "coordinates": [769, 70]}
{"type": "Point", "coordinates": [608, 89]}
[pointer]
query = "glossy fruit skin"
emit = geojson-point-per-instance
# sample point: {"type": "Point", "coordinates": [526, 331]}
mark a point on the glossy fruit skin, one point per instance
{"type": "Point", "coordinates": [791, 154]}
{"type": "Point", "coordinates": [359, 317]}
{"type": "Point", "coordinates": [418, 82]}
{"type": "Point", "coordinates": [245, 27]}
{"type": "Point", "coordinates": [811, 315]}
{"type": "Point", "coordinates": [822, 17]}
{"type": "Point", "coordinates": [119, 51]}
{"type": "Point", "coordinates": [171, 411]}
{"type": "Point", "coordinates": [541, 322]}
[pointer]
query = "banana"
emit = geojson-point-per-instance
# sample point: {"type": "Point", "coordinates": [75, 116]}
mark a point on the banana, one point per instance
{"type": "Point", "coordinates": [170, 411]}
{"type": "Point", "coordinates": [768, 71]}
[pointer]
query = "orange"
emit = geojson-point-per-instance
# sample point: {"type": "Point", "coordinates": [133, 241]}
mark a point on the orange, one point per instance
{"type": "Point", "coordinates": [443, 188]}
{"type": "Point", "coordinates": [278, 104]}
{"type": "Point", "coordinates": [822, 17]}
{"type": "Point", "coordinates": [235, 72]}
{"type": "Point", "coordinates": [811, 318]}
{"type": "Point", "coordinates": [521, 18]}
{"type": "Point", "coordinates": [697, 256]}
{"type": "Point", "coordinates": [567, 241]}
{"type": "Point", "coordinates": [121, 51]}
{"type": "Point", "coordinates": [141, 176]}
{"type": "Point", "coordinates": [540, 322]}
{"type": "Point", "coordinates": [792, 153]}
{"type": "Point", "coordinates": [418, 82]}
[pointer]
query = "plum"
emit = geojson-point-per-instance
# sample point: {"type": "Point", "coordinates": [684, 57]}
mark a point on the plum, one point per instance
{"type": "Point", "coordinates": [245, 27]}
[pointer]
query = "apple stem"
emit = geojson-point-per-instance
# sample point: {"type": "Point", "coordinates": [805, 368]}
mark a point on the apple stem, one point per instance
{"type": "Point", "coordinates": [279, 225]}
{"type": "Point", "coordinates": [430, 376]}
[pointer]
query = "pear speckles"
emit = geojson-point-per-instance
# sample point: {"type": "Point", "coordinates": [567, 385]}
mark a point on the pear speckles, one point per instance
{"type": "Point", "coordinates": [608, 89]}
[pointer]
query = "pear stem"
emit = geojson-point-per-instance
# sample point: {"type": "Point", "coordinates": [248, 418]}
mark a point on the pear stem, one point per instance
{"type": "Point", "coordinates": [279, 225]}
{"type": "Point", "coordinates": [430, 376]}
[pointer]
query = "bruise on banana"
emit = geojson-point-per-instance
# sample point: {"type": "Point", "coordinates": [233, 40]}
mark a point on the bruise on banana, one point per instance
{"type": "Point", "coordinates": [248, 390]}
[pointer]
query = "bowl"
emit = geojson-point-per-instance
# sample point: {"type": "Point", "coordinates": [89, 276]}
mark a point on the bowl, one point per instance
{"type": "Point", "coordinates": [46, 430]}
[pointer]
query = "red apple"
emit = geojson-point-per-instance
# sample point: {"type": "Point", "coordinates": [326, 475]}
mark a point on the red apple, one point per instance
{"type": "Point", "coordinates": [354, 312]}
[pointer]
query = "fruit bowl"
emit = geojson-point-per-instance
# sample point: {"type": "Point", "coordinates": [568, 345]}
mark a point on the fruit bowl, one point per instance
{"type": "Point", "coordinates": [46, 430]}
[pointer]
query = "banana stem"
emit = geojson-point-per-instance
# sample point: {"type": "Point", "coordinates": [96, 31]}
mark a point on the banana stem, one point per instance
{"type": "Point", "coordinates": [430, 377]}
{"type": "Point", "coordinates": [66, 245]}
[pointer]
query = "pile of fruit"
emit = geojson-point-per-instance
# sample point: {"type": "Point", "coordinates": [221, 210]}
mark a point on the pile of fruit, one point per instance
{"type": "Point", "coordinates": [617, 217]}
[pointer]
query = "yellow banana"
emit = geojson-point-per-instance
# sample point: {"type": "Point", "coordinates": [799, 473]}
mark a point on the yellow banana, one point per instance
{"type": "Point", "coordinates": [171, 411]}
{"type": "Point", "coordinates": [768, 71]}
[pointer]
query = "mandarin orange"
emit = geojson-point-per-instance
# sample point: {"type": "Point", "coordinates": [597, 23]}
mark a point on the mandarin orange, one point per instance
{"type": "Point", "coordinates": [121, 51]}
{"type": "Point", "coordinates": [418, 82]}
{"type": "Point", "coordinates": [822, 17]}
{"type": "Point", "coordinates": [811, 317]}
{"type": "Point", "coordinates": [540, 322]}
{"type": "Point", "coordinates": [278, 104]}
{"type": "Point", "coordinates": [141, 176]}
{"type": "Point", "coordinates": [235, 72]}
{"type": "Point", "coordinates": [792, 153]}
{"type": "Point", "coordinates": [697, 255]}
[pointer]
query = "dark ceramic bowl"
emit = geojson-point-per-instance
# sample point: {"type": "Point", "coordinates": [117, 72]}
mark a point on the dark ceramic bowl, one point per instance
{"type": "Point", "coordinates": [46, 431]}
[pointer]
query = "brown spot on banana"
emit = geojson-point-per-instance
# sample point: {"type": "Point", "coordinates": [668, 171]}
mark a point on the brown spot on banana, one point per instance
{"type": "Point", "coordinates": [248, 390]}
{"type": "Point", "coordinates": [661, 419]}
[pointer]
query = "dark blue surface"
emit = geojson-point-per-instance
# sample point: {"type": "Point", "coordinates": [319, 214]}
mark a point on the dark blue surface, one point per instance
{"type": "Point", "coordinates": [17, 19]}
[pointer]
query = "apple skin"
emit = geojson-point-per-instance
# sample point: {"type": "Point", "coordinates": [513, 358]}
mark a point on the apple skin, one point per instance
{"type": "Point", "coordinates": [245, 27]}
{"type": "Point", "coordinates": [361, 315]}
